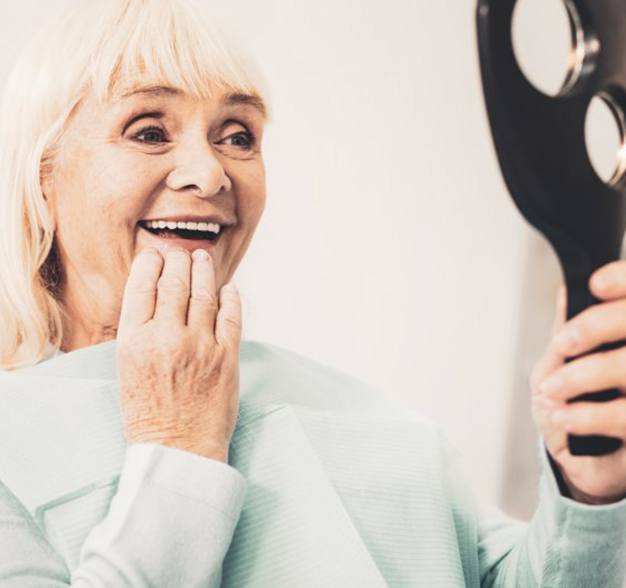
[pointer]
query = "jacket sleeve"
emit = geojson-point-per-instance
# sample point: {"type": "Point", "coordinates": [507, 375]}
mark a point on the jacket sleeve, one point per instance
{"type": "Point", "coordinates": [170, 523]}
{"type": "Point", "coordinates": [566, 543]}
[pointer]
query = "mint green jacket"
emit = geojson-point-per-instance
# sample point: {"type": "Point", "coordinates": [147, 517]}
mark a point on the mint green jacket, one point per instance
{"type": "Point", "coordinates": [328, 485]}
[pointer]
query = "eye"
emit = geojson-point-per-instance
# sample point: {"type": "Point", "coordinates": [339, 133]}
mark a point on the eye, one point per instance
{"type": "Point", "coordinates": [151, 134]}
{"type": "Point", "coordinates": [244, 139]}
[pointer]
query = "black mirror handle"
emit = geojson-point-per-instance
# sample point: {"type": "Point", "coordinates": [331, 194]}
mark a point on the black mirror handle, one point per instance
{"type": "Point", "coordinates": [540, 144]}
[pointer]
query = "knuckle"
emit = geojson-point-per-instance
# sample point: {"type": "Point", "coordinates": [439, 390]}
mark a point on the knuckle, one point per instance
{"type": "Point", "coordinates": [142, 286]}
{"type": "Point", "coordinates": [219, 356]}
{"type": "Point", "coordinates": [596, 368]}
{"type": "Point", "coordinates": [127, 341]}
{"type": "Point", "coordinates": [584, 416]}
{"type": "Point", "coordinates": [541, 369]}
{"type": "Point", "coordinates": [166, 337]}
{"type": "Point", "coordinates": [174, 284]}
{"type": "Point", "coordinates": [590, 373]}
{"type": "Point", "coordinates": [234, 305]}
{"type": "Point", "coordinates": [228, 361]}
{"type": "Point", "coordinates": [233, 321]}
{"type": "Point", "coordinates": [205, 296]}
{"type": "Point", "coordinates": [586, 326]}
{"type": "Point", "coordinates": [568, 376]}
{"type": "Point", "coordinates": [232, 294]}
{"type": "Point", "coordinates": [204, 345]}
{"type": "Point", "coordinates": [614, 362]}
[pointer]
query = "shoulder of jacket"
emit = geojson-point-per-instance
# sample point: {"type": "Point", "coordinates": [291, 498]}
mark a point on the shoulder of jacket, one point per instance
{"type": "Point", "coordinates": [288, 362]}
{"type": "Point", "coordinates": [300, 372]}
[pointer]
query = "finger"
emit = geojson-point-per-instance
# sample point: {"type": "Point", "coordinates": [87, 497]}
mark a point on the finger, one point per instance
{"type": "Point", "coordinates": [203, 303]}
{"type": "Point", "coordinates": [228, 324]}
{"type": "Point", "coordinates": [591, 373]}
{"type": "Point", "coordinates": [140, 291]}
{"type": "Point", "coordinates": [551, 359]}
{"type": "Point", "coordinates": [609, 282]}
{"type": "Point", "coordinates": [593, 418]}
{"type": "Point", "coordinates": [560, 314]}
{"type": "Point", "coordinates": [173, 287]}
{"type": "Point", "coordinates": [598, 324]}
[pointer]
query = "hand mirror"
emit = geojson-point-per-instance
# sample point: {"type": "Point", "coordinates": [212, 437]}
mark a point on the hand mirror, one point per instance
{"type": "Point", "coordinates": [540, 143]}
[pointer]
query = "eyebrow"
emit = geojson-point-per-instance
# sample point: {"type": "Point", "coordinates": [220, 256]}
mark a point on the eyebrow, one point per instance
{"type": "Point", "coordinates": [232, 99]}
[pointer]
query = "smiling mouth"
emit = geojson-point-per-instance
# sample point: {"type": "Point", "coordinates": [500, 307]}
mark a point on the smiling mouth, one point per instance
{"type": "Point", "coordinates": [182, 230]}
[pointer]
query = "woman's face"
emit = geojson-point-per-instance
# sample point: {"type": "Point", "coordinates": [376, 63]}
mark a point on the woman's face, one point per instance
{"type": "Point", "coordinates": [155, 155]}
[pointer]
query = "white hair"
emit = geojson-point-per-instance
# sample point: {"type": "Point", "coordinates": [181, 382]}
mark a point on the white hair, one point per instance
{"type": "Point", "coordinates": [108, 47]}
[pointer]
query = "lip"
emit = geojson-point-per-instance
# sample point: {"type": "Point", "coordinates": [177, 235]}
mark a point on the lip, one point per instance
{"type": "Point", "coordinates": [148, 239]}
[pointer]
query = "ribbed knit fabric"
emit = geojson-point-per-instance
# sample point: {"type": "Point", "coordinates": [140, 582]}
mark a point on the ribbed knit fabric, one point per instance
{"type": "Point", "coordinates": [343, 488]}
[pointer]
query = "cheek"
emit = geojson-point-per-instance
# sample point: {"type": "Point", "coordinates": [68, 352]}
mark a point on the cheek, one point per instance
{"type": "Point", "coordinates": [251, 206]}
{"type": "Point", "coordinates": [252, 197]}
{"type": "Point", "coordinates": [98, 204]}
{"type": "Point", "coordinates": [116, 187]}
{"type": "Point", "coordinates": [121, 189]}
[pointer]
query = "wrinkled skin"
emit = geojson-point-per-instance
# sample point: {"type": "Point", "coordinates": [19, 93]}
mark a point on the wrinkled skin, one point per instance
{"type": "Point", "coordinates": [176, 318]}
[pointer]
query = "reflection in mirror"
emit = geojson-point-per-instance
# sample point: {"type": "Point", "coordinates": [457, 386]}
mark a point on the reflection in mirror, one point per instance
{"type": "Point", "coordinates": [548, 44]}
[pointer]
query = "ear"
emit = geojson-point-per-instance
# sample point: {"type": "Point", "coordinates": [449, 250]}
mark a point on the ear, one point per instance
{"type": "Point", "coordinates": [48, 192]}
{"type": "Point", "coordinates": [46, 181]}
{"type": "Point", "coordinates": [47, 167]}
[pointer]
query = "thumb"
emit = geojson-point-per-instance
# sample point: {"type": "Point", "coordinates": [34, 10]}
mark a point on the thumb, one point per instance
{"type": "Point", "coordinates": [228, 324]}
{"type": "Point", "coordinates": [560, 314]}
{"type": "Point", "coordinates": [551, 358]}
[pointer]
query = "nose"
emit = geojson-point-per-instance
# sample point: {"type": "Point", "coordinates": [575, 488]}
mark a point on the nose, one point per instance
{"type": "Point", "coordinates": [200, 172]}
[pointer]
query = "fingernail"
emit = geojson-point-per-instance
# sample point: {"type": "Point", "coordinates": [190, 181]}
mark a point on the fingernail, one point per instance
{"type": "Point", "coordinates": [551, 385]}
{"type": "Point", "coordinates": [200, 254]}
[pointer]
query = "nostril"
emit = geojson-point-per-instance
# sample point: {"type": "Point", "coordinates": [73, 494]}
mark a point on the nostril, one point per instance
{"type": "Point", "coordinates": [202, 181]}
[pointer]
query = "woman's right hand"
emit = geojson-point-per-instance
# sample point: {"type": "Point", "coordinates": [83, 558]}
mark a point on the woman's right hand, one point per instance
{"type": "Point", "coordinates": [178, 353]}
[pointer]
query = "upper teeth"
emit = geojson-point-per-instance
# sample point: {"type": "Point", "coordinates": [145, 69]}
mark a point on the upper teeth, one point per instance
{"type": "Point", "coordinates": [190, 226]}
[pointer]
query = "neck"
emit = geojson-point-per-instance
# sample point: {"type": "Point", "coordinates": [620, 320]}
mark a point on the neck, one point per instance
{"type": "Point", "coordinates": [79, 335]}
{"type": "Point", "coordinates": [90, 314]}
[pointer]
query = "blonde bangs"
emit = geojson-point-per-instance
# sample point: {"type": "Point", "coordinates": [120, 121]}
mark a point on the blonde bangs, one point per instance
{"type": "Point", "coordinates": [174, 44]}
{"type": "Point", "coordinates": [110, 47]}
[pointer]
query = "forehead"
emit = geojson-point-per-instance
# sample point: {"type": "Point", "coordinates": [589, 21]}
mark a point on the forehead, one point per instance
{"type": "Point", "coordinates": [228, 98]}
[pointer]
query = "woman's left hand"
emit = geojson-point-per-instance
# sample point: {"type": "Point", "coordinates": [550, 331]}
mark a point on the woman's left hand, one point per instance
{"type": "Point", "coordinates": [601, 479]}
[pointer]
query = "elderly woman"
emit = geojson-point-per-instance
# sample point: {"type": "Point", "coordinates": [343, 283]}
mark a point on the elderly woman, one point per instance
{"type": "Point", "coordinates": [143, 444]}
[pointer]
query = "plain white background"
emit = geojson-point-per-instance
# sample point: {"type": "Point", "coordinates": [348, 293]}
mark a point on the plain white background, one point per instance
{"type": "Point", "coordinates": [389, 247]}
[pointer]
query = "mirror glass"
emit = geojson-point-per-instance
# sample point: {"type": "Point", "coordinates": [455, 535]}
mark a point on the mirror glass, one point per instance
{"type": "Point", "coordinates": [544, 34]}
{"type": "Point", "coordinates": [604, 136]}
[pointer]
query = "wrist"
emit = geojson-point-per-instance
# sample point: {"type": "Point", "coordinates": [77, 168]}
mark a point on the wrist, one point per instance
{"type": "Point", "coordinates": [584, 498]}
{"type": "Point", "coordinates": [208, 450]}
{"type": "Point", "coordinates": [569, 489]}
{"type": "Point", "coordinates": [205, 449]}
